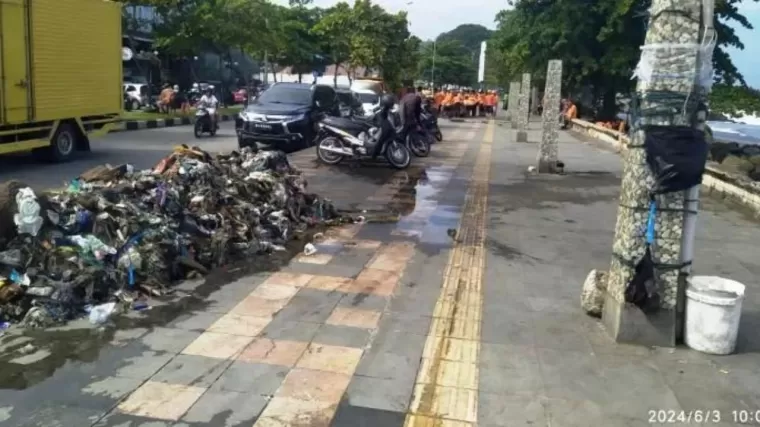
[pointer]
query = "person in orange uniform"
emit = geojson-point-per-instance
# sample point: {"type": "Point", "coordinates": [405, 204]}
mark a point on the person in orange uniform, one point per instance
{"type": "Point", "coordinates": [571, 112]}
{"type": "Point", "coordinates": [488, 104]}
{"type": "Point", "coordinates": [482, 104]}
{"type": "Point", "coordinates": [438, 99]}
{"type": "Point", "coordinates": [469, 104]}
{"type": "Point", "coordinates": [448, 103]}
{"type": "Point", "coordinates": [457, 104]}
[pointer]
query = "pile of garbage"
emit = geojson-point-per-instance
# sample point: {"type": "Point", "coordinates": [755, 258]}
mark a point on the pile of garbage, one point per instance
{"type": "Point", "coordinates": [115, 234]}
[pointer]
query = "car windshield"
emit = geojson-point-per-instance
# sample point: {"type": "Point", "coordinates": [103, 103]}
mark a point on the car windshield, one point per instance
{"type": "Point", "coordinates": [368, 98]}
{"type": "Point", "coordinates": [345, 98]}
{"type": "Point", "coordinates": [286, 95]}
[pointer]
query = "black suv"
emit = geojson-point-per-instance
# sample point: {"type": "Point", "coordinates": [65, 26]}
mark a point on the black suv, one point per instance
{"type": "Point", "coordinates": [285, 116]}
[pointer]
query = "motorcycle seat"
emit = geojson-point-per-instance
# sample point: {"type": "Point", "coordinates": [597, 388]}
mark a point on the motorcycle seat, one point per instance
{"type": "Point", "coordinates": [343, 123]}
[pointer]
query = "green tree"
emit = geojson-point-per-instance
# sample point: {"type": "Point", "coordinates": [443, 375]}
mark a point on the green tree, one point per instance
{"type": "Point", "coordinates": [734, 100]}
{"type": "Point", "coordinates": [468, 35]}
{"type": "Point", "coordinates": [451, 62]}
{"type": "Point", "coordinates": [301, 46]}
{"type": "Point", "coordinates": [334, 29]}
{"type": "Point", "coordinates": [598, 42]}
{"type": "Point", "coordinates": [398, 63]}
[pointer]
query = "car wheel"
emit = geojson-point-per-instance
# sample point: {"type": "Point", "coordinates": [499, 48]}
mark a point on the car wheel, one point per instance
{"type": "Point", "coordinates": [135, 105]}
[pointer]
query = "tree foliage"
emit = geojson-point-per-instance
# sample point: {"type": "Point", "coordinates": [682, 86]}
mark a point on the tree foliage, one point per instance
{"type": "Point", "coordinates": [454, 55]}
{"type": "Point", "coordinates": [734, 100]}
{"type": "Point", "coordinates": [597, 40]}
{"type": "Point", "coordinates": [298, 35]}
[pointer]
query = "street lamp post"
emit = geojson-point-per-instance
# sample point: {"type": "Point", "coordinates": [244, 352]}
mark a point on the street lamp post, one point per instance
{"type": "Point", "coordinates": [432, 77]}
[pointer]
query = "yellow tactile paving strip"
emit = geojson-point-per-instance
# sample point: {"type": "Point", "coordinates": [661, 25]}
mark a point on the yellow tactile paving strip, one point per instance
{"type": "Point", "coordinates": [446, 389]}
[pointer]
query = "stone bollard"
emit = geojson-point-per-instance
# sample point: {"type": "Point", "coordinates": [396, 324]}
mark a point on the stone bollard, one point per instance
{"type": "Point", "coordinates": [547, 150]}
{"type": "Point", "coordinates": [513, 103]}
{"type": "Point", "coordinates": [524, 113]}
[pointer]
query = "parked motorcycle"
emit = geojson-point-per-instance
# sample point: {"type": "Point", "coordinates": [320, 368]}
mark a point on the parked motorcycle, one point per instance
{"type": "Point", "coordinates": [204, 123]}
{"type": "Point", "coordinates": [430, 124]}
{"type": "Point", "coordinates": [340, 138]}
{"type": "Point", "coordinates": [416, 140]}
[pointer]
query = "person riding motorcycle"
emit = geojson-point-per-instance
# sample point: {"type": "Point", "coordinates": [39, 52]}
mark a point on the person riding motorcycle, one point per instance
{"type": "Point", "coordinates": [210, 103]}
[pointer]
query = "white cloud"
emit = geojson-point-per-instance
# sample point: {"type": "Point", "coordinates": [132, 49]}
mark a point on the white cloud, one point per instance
{"type": "Point", "coordinates": [428, 18]}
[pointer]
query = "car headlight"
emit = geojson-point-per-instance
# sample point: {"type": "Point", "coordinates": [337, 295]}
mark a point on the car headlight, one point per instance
{"type": "Point", "coordinates": [294, 117]}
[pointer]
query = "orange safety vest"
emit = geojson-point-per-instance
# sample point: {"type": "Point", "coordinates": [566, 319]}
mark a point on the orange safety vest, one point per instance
{"type": "Point", "coordinates": [439, 97]}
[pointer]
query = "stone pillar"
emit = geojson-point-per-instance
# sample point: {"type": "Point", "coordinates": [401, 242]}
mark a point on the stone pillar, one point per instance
{"type": "Point", "coordinates": [547, 150]}
{"type": "Point", "coordinates": [533, 101]}
{"type": "Point", "coordinates": [523, 118]}
{"type": "Point", "coordinates": [513, 103]}
{"type": "Point", "coordinates": [669, 94]}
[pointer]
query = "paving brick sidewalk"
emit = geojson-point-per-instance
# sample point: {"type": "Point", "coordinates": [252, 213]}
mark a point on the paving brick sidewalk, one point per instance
{"type": "Point", "coordinates": [463, 312]}
{"type": "Point", "coordinates": [544, 363]}
{"type": "Point", "coordinates": [281, 348]}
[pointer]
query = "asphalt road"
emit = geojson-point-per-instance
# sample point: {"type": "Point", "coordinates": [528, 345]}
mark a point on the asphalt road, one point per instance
{"type": "Point", "coordinates": [140, 148]}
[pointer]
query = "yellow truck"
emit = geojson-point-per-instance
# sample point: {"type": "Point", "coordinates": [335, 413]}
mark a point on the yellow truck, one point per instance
{"type": "Point", "coordinates": [60, 74]}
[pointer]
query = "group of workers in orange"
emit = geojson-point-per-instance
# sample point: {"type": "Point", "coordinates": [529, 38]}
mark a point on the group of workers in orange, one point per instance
{"type": "Point", "coordinates": [465, 103]}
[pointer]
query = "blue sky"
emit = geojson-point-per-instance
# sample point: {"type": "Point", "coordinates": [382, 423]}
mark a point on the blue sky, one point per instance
{"type": "Point", "coordinates": [748, 60]}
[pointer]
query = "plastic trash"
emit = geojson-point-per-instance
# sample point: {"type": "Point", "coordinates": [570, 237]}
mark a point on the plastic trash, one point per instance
{"type": "Point", "coordinates": [140, 306]}
{"type": "Point", "coordinates": [28, 219]}
{"type": "Point", "coordinates": [20, 279]}
{"type": "Point", "coordinates": [309, 249]}
{"type": "Point", "coordinates": [100, 314]}
{"type": "Point", "coordinates": [42, 291]}
{"type": "Point", "coordinates": [11, 257]}
{"type": "Point", "coordinates": [93, 245]}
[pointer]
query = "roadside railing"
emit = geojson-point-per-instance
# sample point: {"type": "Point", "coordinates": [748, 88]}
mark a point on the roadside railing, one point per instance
{"type": "Point", "coordinates": [726, 185]}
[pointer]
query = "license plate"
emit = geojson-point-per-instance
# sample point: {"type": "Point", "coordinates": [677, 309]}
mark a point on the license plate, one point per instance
{"type": "Point", "coordinates": [262, 126]}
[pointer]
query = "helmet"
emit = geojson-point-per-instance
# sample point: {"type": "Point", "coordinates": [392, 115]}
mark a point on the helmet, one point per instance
{"type": "Point", "coordinates": [388, 101]}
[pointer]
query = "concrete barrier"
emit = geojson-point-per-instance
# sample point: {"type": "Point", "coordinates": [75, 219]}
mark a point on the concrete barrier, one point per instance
{"type": "Point", "coordinates": [128, 125]}
{"type": "Point", "coordinates": [733, 187]}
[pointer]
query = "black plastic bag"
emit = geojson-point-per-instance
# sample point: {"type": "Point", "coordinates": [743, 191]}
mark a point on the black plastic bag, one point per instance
{"type": "Point", "coordinates": [676, 155]}
{"type": "Point", "coordinates": [642, 289]}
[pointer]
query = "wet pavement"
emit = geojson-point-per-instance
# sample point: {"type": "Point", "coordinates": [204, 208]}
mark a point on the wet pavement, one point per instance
{"type": "Point", "coordinates": [455, 304]}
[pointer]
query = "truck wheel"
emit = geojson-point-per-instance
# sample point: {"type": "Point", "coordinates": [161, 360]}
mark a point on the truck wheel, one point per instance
{"type": "Point", "coordinates": [64, 143]}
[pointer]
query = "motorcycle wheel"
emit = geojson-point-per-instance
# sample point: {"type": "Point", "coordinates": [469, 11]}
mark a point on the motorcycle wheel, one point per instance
{"type": "Point", "coordinates": [419, 145]}
{"type": "Point", "coordinates": [438, 135]}
{"type": "Point", "coordinates": [398, 155]}
{"type": "Point", "coordinates": [198, 129]}
{"type": "Point", "coordinates": [328, 157]}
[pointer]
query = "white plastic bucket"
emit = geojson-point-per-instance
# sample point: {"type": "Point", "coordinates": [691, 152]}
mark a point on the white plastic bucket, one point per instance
{"type": "Point", "coordinates": [713, 310]}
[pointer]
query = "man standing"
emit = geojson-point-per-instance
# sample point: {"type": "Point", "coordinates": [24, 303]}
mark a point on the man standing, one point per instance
{"type": "Point", "coordinates": [410, 110]}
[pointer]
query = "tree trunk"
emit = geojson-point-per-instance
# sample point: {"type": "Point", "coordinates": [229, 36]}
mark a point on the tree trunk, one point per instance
{"type": "Point", "coordinates": [335, 74]}
{"type": "Point", "coordinates": [274, 72]}
{"type": "Point", "coordinates": [300, 76]}
{"type": "Point", "coordinates": [609, 104]}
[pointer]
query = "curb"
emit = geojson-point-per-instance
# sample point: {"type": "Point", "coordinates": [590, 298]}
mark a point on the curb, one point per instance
{"type": "Point", "coordinates": [130, 125]}
{"type": "Point", "coordinates": [719, 183]}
